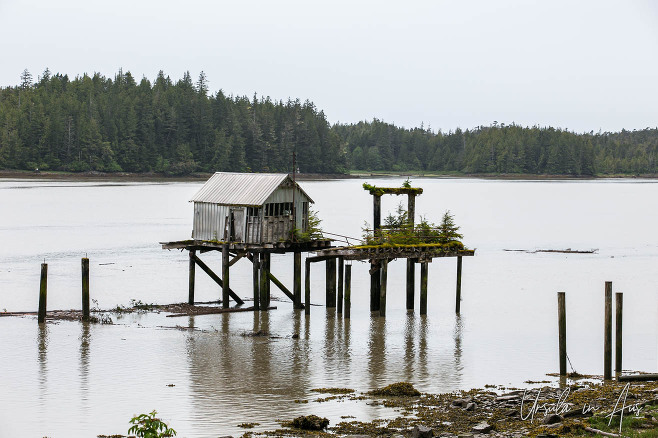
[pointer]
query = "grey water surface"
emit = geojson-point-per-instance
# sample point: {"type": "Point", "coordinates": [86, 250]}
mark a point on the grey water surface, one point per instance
{"type": "Point", "coordinates": [204, 377]}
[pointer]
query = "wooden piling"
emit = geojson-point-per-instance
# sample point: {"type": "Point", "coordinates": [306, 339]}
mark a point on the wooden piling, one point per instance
{"type": "Point", "coordinates": [192, 276]}
{"type": "Point", "coordinates": [341, 273]}
{"type": "Point", "coordinates": [562, 332]}
{"type": "Point", "coordinates": [85, 289]}
{"type": "Point", "coordinates": [348, 290]}
{"type": "Point", "coordinates": [607, 346]}
{"type": "Point", "coordinates": [43, 293]}
{"type": "Point", "coordinates": [307, 287]}
{"type": "Point", "coordinates": [619, 310]}
{"type": "Point", "coordinates": [411, 271]}
{"type": "Point", "coordinates": [331, 282]}
{"type": "Point", "coordinates": [225, 277]}
{"type": "Point", "coordinates": [411, 283]}
{"type": "Point", "coordinates": [297, 281]}
{"type": "Point", "coordinates": [423, 288]}
{"type": "Point", "coordinates": [382, 290]}
{"type": "Point", "coordinates": [264, 301]}
{"type": "Point", "coordinates": [458, 297]}
{"type": "Point", "coordinates": [376, 214]}
{"type": "Point", "coordinates": [256, 279]}
{"type": "Point", "coordinates": [268, 259]}
{"type": "Point", "coordinates": [374, 285]}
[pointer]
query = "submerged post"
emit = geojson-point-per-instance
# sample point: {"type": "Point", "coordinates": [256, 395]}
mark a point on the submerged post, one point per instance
{"type": "Point", "coordinates": [348, 290]}
{"type": "Point", "coordinates": [607, 346]}
{"type": "Point", "coordinates": [190, 298]}
{"type": "Point", "coordinates": [458, 298]}
{"type": "Point", "coordinates": [255, 273]}
{"type": "Point", "coordinates": [43, 292]}
{"type": "Point", "coordinates": [225, 276]}
{"type": "Point", "coordinates": [85, 289]}
{"type": "Point", "coordinates": [562, 332]}
{"type": "Point", "coordinates": [411, 272]}
{"type": "Point", "coordinates": [331, 282]}
{"type": "Point", "coordinates": [307, 287]}
{"type": "Point", "coordinates": [341, 272]}
{"type": "Point", "coordinates": [297, 281]}
{"type": "Point", "coordinates": [619, 310]}
{"type": "Point", "coordinates": [382, 291]}
{"type": "Point", "coordinates": [423, 288]}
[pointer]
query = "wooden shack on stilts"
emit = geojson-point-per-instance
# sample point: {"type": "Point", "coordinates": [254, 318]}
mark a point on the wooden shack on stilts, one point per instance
{"type": "Point", "coordinates": [250, 216]}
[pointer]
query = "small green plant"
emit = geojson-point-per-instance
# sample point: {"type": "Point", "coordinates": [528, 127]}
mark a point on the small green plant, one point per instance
{"type": "Point", "coordinates": [148, 426]}
{"type": "Point", "coordinates": [313, 230]}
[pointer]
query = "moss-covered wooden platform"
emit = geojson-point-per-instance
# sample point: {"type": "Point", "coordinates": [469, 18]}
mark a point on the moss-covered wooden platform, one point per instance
{"type": "Point", "coordinates": [421, 252]}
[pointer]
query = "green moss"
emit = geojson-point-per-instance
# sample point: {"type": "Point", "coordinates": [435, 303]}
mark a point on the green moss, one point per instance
{"type": "Point", "coordinates": [379, 191]}
{"type": "Point", "coordinates": [310, 422]}
{"type": "Point", "coordinates": [334, 390]}
{"type": "Point", "coordinates": [400, 389]}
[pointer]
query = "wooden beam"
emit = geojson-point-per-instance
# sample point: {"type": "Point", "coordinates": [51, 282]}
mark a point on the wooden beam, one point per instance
{"type": "Point", "coordinates": [191, 280]}
{"type": "Point", "coordinates": [382, 289]}
{"type": "Point", "coordinates": [216, 278]}
{"type": "Point", "coordinates": [348, 290]}
{"type": "Point", "coordinates": [423, 288]}
{"type": "Point", "coordinates": [225, 277]}
{"type": "Point", "coordinates": [307, 286]}
{"type": "Point", "coordinates": [316, 259]}
{"type": "Point", "coordinates": [297, 279]}
{"type": "Point", "coordinates": [331, 283]}
{"type": "Point", "coordinates": [458, 293]}
{"type": "Point", "coordinates": [282, 287]}
{"type": "Point", "coordinates": [264, 299]}
{"type": "Point", "coordinates": [237, 258]}
{"type": "Point", "coordinates": [256, 279]}
{"type": "Point", "coordinates": [341, 273]}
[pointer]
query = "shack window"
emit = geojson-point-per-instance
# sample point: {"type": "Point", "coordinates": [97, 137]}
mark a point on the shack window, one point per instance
{"type": "Point", "coordinates": [278, 209]}
{"type": "Point", "coordinates": [253, 211]}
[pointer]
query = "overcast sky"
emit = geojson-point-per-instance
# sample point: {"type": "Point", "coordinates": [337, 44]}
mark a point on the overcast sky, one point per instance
{"type": "Point", "coordinates": [580, 65]}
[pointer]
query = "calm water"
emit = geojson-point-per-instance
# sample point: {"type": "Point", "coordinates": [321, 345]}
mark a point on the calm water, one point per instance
{"type": "Point", "coordinates": [70, 380]}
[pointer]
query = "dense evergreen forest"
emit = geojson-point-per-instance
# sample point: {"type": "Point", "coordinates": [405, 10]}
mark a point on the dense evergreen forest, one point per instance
{"type": "Point", "coordinates": [117, 124]}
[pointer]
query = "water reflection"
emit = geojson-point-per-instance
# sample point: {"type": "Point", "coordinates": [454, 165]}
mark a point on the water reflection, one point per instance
{"type": "Point", "coordinates": [376, 350]}
{"type": "Point", "coordinates": [85, 338]}
{"type": "Point", "coordinates": [238, 376]}
{"type": "Point", "coordinates": [42, 355]}
{"type": "Point", "coordinates": [458, 349]}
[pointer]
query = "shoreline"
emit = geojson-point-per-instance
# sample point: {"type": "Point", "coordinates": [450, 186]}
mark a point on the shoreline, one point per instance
{"type": "Point", "coordinates": [160, 177]}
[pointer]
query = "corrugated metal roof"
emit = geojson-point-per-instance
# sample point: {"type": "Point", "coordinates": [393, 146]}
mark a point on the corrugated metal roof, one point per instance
{"type": "Point", "coordinates": [251, 189]}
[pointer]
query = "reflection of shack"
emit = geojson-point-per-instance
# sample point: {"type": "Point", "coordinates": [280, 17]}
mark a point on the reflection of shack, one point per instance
{"type": "Point", "coordinates": [249, 208]}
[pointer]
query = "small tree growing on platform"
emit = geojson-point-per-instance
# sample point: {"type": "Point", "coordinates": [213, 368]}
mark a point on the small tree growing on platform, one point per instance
{"type": "Point", "coordinates": [313, 229]}
{"type": "Point", "coordinates": [398, 231]}
{"type": "Point", "coordinates": [448, 231]}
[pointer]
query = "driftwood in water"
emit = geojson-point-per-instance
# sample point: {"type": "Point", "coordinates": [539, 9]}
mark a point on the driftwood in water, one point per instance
{"type": "Point", "coordinates": [561, 251]}
{"type": "Point", "coordinates": [638, 378]}
{"type": "Point", "coordinates": [214, 310]}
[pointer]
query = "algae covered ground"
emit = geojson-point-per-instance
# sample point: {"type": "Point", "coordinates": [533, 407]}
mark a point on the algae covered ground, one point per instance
{"type": "Point", "coordinates": [585, 407]}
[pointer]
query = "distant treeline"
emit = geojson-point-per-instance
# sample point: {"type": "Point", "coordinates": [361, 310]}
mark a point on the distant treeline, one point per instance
{"type": "Point", "coordinates": [112, 125]}
{"type": "Point", "coordinates": [499, 149]}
